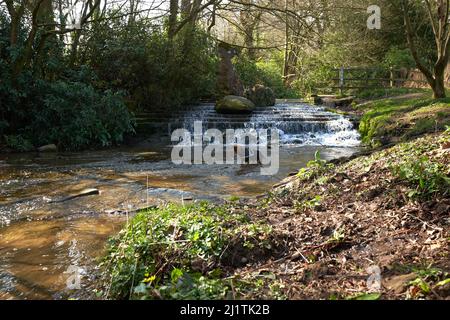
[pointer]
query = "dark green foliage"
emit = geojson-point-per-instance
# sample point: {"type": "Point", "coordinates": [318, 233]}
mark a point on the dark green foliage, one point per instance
{"type": "Point", "coordinates": [154, 71]}
{"type": "Point", "coordinates": [19, 143]}
{"type": "Point", "coordinates": [72, 115]}
{"type": "Point", "coordinates": [75, 115]}
{"type": "Point", "coordinates": [80, 99]}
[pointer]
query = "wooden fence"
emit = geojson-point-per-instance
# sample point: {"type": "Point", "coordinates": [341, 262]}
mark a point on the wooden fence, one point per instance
{"type": "Point", "coordinates": [378, 78]}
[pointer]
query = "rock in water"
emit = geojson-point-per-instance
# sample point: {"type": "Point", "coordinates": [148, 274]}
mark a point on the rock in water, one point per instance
{"type": "Point", "coordinates": [234, 105]}
{"type": "Point", "coordinates": [261, 96]}
{"type": "Point", "coordinates": [48, 148]}
{"type": "Point", "coordinates": [84, 193]}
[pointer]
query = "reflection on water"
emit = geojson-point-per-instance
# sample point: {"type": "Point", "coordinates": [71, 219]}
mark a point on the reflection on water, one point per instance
{"type": "Point", "coordinates": [40, 240]}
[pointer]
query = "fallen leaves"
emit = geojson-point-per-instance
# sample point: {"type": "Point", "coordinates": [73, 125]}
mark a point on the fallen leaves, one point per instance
{"type": "Point", "coordinates": [383, 227]}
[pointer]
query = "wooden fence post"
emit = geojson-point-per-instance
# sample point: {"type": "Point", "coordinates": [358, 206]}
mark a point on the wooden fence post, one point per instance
{"type": "Point", "coordinates": [342, 79]}
{"type": "Point", "coordinates": [391, 77]}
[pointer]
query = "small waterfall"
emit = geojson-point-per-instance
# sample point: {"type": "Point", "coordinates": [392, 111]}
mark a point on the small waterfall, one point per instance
{"type": "Point", "coordinates": [298, 124]}
{"type": "Point", "coordinates": [337, 133]}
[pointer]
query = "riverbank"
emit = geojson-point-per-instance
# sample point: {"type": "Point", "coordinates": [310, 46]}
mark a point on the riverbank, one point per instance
{"type": "Point", "coordinates": [321, 234]}
{"type": "Point", "coordinates": [397, 115]}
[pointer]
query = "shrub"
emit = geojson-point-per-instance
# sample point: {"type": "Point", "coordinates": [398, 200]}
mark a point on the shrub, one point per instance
{"type": "Point", "coordinates": [76, 116]}
{"type": "Point", "coordinates": [72, 115]}
{"type": "Point", "coordinates": [153, 70]}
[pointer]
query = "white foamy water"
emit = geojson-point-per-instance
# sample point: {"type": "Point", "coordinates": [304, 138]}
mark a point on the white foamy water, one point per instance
{"type": "Point", "coordinates": [337, 133]}
{"type": "Point", "coordinates": [298, 124]}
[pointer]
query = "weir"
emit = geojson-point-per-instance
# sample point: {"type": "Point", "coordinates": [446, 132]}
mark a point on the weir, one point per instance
{"type": "Point", "coordinates": [298, 124]}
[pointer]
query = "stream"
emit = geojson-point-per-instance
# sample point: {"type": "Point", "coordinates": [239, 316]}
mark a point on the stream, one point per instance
{"type": "Point", "coordinates": [42, 238]}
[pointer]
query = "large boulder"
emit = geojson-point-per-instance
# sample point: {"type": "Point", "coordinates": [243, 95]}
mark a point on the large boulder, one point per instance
{"type": "Point", "coordinates": [234, 105]}
{"type": "Point", "coordinates": [261, 96]}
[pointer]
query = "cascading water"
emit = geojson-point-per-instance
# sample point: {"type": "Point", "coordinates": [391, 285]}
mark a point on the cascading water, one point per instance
{"type": "Point", "coordinates": [298, 124]}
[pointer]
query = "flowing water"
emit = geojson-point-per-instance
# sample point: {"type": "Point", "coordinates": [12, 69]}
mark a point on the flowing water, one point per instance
{"type": "Point", "coordinates": [42, 239]}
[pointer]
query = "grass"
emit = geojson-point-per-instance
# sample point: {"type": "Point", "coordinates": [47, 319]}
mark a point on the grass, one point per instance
{"type": "Point", "coordinates": [370, 94]}
{"type": "Point", "coordinates": [187, 252]}
{"type": "Point", "coordinates": [402, 118]}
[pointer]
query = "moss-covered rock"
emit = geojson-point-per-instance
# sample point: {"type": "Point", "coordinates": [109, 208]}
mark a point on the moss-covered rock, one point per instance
{"type": "Point", "coordinates": [234, 105]}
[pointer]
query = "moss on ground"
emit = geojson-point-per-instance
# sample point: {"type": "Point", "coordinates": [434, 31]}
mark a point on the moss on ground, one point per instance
{"type": "Point", "coordinates": [382, 93]}
{"type": "Point", "coordinates": [402, 118]}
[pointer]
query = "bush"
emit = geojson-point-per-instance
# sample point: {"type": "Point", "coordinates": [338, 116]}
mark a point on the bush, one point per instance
{"type": "Point", "coordinates": [72, 115]}
{"type": "Point", "coordinates": [176, 252]}
{"type": "Point", "coordinates": [154, 71]}
{"type": "Point", "coordinates": [314, 75]}
{"type": "Point", "coordinates": [19, 143]}
{"type": "Point", "coordinates": [50, 102]}
{"type": "Point", "coordinates": [76, 116]}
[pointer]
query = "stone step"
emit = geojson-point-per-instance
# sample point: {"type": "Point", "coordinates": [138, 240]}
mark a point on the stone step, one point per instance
{"type": "Point", "coordinates": [290, 119]}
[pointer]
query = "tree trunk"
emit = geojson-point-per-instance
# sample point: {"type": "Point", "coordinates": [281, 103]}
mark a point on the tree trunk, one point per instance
{"type": "Point", "coordinates": [438, 87]}
{"type": "Point", "coordinates": [173, 18]}
{"type": "Point", "coordinates": [440, 27]}
{"type": "Point", "coordinates": [14, 33]}
{"type": "Point", "coordinates": [249, 19]}
{"type": "Point", "coordinates": [186, 7]}
{"type": "Point", "coordinates": [286, 45]}
{"type": "Point", "coordinates": [74, 47]}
